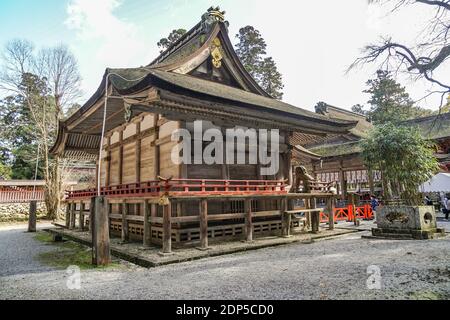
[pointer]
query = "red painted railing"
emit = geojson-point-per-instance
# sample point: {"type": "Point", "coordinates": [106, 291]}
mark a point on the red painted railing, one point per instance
{"type": "Point", "coordinates": [21, 196]}
{"type": "Point", "coordinates": [347, 213]}
{"type": "Point", "coordinates": [180, 187]}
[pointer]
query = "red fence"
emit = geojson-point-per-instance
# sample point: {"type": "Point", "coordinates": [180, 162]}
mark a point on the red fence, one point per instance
{"type": "Point", "coordinates": [21, 196]}
{"type": "Point", "coordinates": [347, 213]}
{"type": "Point", "coordinates": [176, 187]}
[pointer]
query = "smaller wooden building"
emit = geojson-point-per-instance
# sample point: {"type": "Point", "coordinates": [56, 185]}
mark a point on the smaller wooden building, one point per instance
{"type": "Point", "coordinates": [339, 156]}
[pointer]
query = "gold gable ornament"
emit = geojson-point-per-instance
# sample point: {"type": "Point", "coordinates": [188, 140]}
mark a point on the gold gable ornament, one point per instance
{"type": "Point", "coordinates": [217, 13]}
{"type": "Point", "coordinates": [216, 53]}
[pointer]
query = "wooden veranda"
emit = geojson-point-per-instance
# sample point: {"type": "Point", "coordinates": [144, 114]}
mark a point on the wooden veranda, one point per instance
{"type": "Point", "coordinates": [260, 207]}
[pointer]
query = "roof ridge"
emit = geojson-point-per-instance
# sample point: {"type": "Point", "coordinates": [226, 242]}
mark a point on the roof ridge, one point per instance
{"type": "Point", "coordinates": [445, 114]}
{"type": "Point", "coordinates": [347, 111]}
{"type": "Point", "coordinates": [182, 40]}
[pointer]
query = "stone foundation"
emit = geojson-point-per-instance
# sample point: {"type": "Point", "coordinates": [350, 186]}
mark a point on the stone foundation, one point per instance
{"type": "Point", "coordinates": [10, 212]}
{"type": "Point", "coordinates": [407, 222]}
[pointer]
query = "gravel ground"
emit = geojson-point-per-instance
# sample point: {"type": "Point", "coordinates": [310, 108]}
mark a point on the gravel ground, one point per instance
{"type": "Point", "coordinates": [331, 269]}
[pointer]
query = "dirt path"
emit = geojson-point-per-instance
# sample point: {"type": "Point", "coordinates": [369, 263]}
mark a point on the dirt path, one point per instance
{"type": "Point", "coordinates": [331, 269]}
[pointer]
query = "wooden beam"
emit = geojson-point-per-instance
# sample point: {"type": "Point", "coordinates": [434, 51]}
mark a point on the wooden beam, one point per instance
{"type": "Point", "coordinates": [68, 208]}
{"type": "Point", "coordinates": [248, 220]}
{"type": "Point", "coordinates": [203, 225]}
{"type": "Point", "coordinates": [32, 217]}
{"type": "Point", "coordinates": [147, 225]}
{"type": "Point", "coordinates": [167, 229]}
{"type": "Point", "coordinates": [330, 209]}
{"type": "Point", "coordinates": [121, 157]}
{"type": "Point", "coordinates": [108, 168]}
{"type": "Point", "coordinates": [138, 153]}
{"type": "Point", "coordinates": [125, 234]}
{"type": "Point", "coordinates": [156, 154]}
{"type": "Point", "coordinates": [342, 182]}
{"type": "Point", "coordinates": [72, 216]}
{"type": "Point", "coordinates": [81, 217]}
{"type": "Point", "coordinates": [101, 254]}
{"type": "Point", "coordinates": [286, 219]}
{"type": "Point", "coordinates": [315, 216]}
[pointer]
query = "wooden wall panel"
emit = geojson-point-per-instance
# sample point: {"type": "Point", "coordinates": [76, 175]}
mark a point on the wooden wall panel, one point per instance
{"type": "Point", "coordinates": [103, 171]}
{"type": "Point", "coordinates": [167, 167]}
{"type": "Point", "coordinates": [115, 137]}
{"type": "Point", "coordinates": [129, 164]}
{"type": "Point", "coordinates": [115, 167]}
{"type": "Point", "coordinates": [129, 131]}
{"type": "Point", "coordinates": [147, 159]}
{"type": "Point", "coordinates": [243, 172]}
{"type": "Point", "coordinates": [147, 123]}
{"type": "Point", "coordinates": [168, 128]}
{"type": "Point", "coordinates": [204, 171]}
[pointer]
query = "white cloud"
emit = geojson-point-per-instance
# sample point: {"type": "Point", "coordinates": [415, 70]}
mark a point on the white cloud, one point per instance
{"type": "Point", "coordinates": [374, 17]}
{"type": "Point", "coordinates": [116, 42]}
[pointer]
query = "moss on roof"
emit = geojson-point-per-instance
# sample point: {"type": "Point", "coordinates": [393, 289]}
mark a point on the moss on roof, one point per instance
{"type": "Point", "coordinates": [432, 127]}
{"type": "Point", "coordinates": [335, 150]}
{"type": "Point", "coordinates": [223, 91]}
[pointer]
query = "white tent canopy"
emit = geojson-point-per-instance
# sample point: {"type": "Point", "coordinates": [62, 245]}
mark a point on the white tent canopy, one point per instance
{"type": "Point", "coordinates": [439, 183]}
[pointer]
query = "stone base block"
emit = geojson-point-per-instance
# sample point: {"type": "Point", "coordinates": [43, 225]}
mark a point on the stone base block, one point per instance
{"type": "Point", "coordinates": [408, 234]}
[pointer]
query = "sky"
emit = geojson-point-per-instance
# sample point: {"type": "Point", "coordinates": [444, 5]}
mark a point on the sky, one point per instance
{"type": "Point", "coordinates": [312, 42]}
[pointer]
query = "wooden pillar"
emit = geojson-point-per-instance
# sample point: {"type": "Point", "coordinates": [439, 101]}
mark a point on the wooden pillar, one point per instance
{"type": "Point", "coordinates": [81, 217]}
{"type": "Point", "coordinates": [138, 152]}
{"type": "Point", "coordinates": [330, 209]}
{"type": "Point", "coordinates": [72, 216]}
{"type": "Point", "coordinates": [342, 181]}
{"type": "Point", "coordinates": [96, 174]}
{"type": "Point", "coordinates": [125, 234]}
{"type": "Point", "coordinates": [167, 228]}
{"type": "Point", "coordinates": [353, 207]}
{"type": "Point", "coordinates": [203, 225]}
{"type": "Point", "coordinates": [156, 155]}
{"type": "Point", "coordinates": [315, 217]}
{"type": "Point", "coordinates": [32, 217]}
{"type": "Point", "coordinates": [147, 225]}
{"type": "Point", "coordinates": [120, 156]}
{"type": "Point", "coordinates": [248, 220]}
{"type": "Point", "coordinates": [108, 165]}
{"type": "Point", "coordinates": [101, 254]}
{"type": "Point", "coordinates": [286, 218]}
{"type": "Point", "coordinates": [370, 179]}
{"type": "Point", "coordinates": [68, 208]}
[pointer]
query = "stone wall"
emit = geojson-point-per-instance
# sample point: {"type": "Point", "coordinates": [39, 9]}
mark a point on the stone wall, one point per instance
{"type": "Point", "coordinates": [19, 211]}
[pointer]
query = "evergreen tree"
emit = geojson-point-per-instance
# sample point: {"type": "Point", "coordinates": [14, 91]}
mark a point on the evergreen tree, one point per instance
{"type": "Point", "coordinates": [357, 108]}
{"type": "Point", "coordinates": [173, 37]}
{"type": "Point", "coordinates": [251, 50]}
{"type": "Point", "coordinates": [389, 101]}
{"type": "Point", "coordinates": [270, 79]}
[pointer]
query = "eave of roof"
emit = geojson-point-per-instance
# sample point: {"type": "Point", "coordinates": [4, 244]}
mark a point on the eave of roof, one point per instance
{"type": "Point", "coordinates": [432, 127]}
{"type": "Point", "coordinates": [221, 91]}
{"type": "Point", "coordinates": [337, 150]}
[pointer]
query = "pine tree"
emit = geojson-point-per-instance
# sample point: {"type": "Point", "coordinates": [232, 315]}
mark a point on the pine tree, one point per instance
{"type": "Point", "coordinates": [173, 37]}
{"type": "Point", "coordinates": [389, 101]}
{"type": "Point", "coordinates": [251, 50]}
{"type": "Point", "coordinates": [270, 79]}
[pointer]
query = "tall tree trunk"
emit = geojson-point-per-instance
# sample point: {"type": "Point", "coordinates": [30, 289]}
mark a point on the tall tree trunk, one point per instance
{"type": "Point", "coordinates": [53, 189]}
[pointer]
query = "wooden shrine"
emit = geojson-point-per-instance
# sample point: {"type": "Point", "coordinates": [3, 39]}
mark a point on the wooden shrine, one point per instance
{"type": "Point", "coordinates": [154, 200]}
